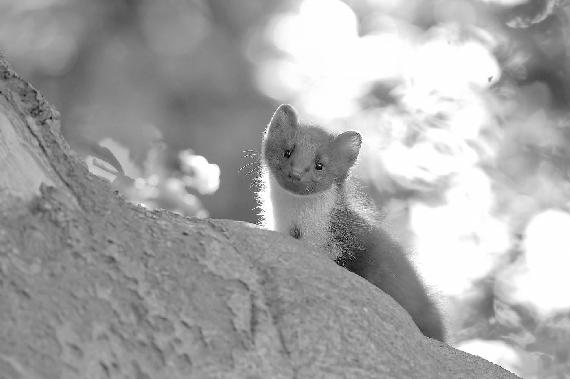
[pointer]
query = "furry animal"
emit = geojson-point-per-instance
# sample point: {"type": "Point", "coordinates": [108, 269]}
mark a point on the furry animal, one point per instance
{"type": "Point", "coordinates": [308, 193]}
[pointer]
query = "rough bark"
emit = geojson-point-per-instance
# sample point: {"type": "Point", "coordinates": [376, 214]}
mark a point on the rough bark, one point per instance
{"type": "Point", "coordinates": [94, 287]}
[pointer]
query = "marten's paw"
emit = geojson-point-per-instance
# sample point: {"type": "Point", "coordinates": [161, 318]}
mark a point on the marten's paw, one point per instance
{"type": "Point", "coordinates": [295, 232]}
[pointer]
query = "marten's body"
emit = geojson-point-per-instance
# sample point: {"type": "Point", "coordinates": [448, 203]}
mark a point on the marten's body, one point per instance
{"type": "Point", "coordinates": [308, 194]}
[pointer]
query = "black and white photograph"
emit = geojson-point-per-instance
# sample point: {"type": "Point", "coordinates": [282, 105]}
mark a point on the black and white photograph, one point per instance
{"type": "Point", "coordinates": [284, 189]}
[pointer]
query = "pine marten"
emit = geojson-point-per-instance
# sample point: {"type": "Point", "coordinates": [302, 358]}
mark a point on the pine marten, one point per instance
{"type": "Point", "coordinates": [308, 193]}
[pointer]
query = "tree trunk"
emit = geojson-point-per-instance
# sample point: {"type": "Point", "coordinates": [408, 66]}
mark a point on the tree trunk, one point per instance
{"type": "Point", "coordinates": [94, 287]}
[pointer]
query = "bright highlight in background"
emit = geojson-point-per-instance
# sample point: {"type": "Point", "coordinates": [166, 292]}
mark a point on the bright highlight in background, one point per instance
{"type": "Point", "coordinates": [329, 67]}
{"type": "Point", "coordinates": [540, 278]}
{"type": "Point", "coordinates": [324, 60]}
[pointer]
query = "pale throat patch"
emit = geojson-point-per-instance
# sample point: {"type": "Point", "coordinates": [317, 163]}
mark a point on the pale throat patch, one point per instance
{"type": "Point", "coordinates": [306, 217]}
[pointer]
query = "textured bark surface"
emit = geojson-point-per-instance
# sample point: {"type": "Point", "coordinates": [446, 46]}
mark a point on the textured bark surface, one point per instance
{"type": "Point", "coordinates": [94, 287]}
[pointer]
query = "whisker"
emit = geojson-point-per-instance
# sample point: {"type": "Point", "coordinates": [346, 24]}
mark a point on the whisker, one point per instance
{"type": "Point", "coordinates": [248, 165]}
{"type": "Point", "coordinates": [249, 153]}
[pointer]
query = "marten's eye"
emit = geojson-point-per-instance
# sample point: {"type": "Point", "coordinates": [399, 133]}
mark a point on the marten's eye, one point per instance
{"type": "Point", "coordinates": [318, 166]}
{"type": "Point", "coordinates": [287, 153]}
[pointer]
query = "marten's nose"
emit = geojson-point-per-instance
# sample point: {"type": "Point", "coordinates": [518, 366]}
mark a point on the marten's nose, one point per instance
{"type": "Point", "coordinates": [296, 174]}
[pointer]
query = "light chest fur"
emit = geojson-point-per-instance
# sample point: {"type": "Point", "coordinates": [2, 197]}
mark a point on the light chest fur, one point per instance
{"type": "Point", "coordinates": [311, 214]}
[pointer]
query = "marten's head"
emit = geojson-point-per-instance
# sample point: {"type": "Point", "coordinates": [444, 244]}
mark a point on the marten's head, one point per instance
{"type": "Point", "coordinates": [306, 159]}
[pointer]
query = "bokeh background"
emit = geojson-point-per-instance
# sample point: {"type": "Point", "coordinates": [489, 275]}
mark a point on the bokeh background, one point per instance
{"type": "Point", "coordinates": [463, 105]}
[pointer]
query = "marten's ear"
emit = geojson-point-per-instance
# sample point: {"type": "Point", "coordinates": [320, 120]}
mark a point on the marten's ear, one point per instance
{"type": "Point", "coordinates": [285, 117]}
{"type": "Point", "coordinates": [347, 146]}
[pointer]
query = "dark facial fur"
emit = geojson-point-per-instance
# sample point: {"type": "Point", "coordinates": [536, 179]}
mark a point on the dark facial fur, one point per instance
{"type": "Point", "coordinates": [306, 159]}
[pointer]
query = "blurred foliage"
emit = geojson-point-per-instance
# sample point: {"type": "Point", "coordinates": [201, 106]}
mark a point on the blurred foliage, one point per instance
{"type": "Point", "coordinates": [463, 104]}
{"type": "Point", "coordinates": [140, 71]}
{"type": "Point", "coordinates": [157, 185]}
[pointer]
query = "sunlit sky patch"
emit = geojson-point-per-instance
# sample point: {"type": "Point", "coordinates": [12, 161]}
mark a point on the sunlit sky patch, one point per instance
{"type": "Point", "coordinates": [329, 66]}
{"type": "Point", "coordinates": [451, 65]}
{"type": "Point", "coordinates": [460, 234]}
{"type": "Point", "coordinates": [539, 279]}
{"type": "Point", "coordinates": [325, 61]}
